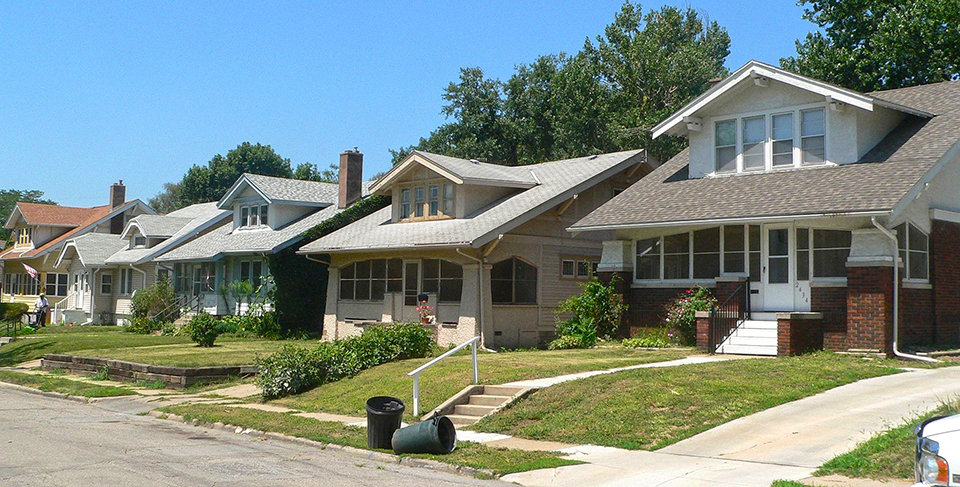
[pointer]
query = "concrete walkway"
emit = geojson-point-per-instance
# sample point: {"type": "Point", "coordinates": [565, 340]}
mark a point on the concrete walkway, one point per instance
{"type": "Point", "coordinates": [552, 381]}
{"type": "Point", "coordinates": [785, 442]}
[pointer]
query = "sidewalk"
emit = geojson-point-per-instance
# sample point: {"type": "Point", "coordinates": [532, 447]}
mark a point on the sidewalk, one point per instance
{"type": "Point", "coordinates": [785, 442]}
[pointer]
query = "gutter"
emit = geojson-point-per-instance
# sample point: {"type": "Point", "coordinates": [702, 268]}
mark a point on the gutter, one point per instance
{"type": "Point", "coordinates": [896, 295]}
{"type": "Point", "coordinates": [679, 223]}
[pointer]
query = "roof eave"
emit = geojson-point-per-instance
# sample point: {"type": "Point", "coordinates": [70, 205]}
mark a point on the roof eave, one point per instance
{"type": "Point", "coordinates": [733, 219]}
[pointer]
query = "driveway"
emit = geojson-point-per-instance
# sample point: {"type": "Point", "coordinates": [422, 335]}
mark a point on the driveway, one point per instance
{"type": "Point", "coordinates": [46, 441]}
{"type": "Point", "coordinates": [785, 442]}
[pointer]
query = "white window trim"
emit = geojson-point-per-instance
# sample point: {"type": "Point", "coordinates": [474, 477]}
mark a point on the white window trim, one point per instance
{"type": "Point", "coordinates": [768, 142]}
{"type": "Point", "coordinates": [906, 263]}
{"type": "Point", "coordinates": [102, 284]}
{"type": "Point", "coordinates": [244, 224]}
{"type": "Point", "coordinates": [424, 206]}
{"type": "Point", "coordinates": [690, 280]}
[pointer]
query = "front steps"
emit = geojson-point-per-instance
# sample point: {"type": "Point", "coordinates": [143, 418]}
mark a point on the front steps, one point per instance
{"type": "Point", "coordinates": [474, 402]}
{"type": "Point", "coordinates": [755, 336]}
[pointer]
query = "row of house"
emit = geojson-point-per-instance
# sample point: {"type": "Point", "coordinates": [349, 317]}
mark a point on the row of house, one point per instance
{"type": "Point", "coordinates": [833, 213]}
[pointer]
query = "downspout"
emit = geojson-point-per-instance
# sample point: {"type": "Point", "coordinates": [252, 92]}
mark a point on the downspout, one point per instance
{"type": "Point", "coordinates": [896, 295]}
{"type": "Point", "coordinates": [479, 261]}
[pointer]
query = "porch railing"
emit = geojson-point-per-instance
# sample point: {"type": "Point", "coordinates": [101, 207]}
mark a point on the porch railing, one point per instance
{"type": "Point", "coordinates": [10, 328]}
{"type": "Point", "coordinates": [57, 315]}
{"type": "Point", "coordinates": [728, 315]}
{"type": "Point", "coordinates": [416, 372]}
{"type": "Point", "coordinates": [182, 304]}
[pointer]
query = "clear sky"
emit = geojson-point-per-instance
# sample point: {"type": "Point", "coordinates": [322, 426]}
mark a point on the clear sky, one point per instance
{"type": "Point", "coordinates": [93, 92]}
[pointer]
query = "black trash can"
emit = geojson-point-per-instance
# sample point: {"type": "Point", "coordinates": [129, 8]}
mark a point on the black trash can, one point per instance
{"type": "Point", "coordinates": [436, 435]}
{"type": "Point", "coordinates": [383, 418]}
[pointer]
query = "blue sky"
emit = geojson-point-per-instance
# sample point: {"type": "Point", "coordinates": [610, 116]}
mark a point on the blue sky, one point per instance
{"type": "Point", "coordinates": [140, 91]}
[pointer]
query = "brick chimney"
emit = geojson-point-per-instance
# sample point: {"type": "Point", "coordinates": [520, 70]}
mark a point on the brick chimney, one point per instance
{"type": "Point", "coordinates": [351, 177]}
{"type": "Point", "coordinates": [118, 195]}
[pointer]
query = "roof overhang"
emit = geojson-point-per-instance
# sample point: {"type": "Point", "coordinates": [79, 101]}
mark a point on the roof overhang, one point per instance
{"type": "Point", "coordinates": [238, 185]}
{"type": "Point", "coordinates": [11, 220]}
{"type": "Point", "coordinates": [714, 221]}
{"type": "Point", "coordinates": [70, 244]}
{"type": "Point", "coordinates": [758, 73]}
{"type": "Point", "coordinates": [410, 162]}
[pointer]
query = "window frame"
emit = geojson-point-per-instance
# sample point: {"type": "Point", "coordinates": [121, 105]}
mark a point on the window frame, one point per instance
{"type": "Point", "coordinates": [814, 252]}
{"type": "Point", "coordinates": [24, 237]}
{"type": "Point", "coordinates": [797, 153]}
{"type": "Point", "coordinates": [370, 279]}
{"type": "Point", "coordinates": [57, 285]}
{"type": "Point", "coordinates": [126, 282]}
{"type": "Point", "coordinates": [513, 283]}
{"type": "Point", "coordinates": [441, 279]}
{"type": "Point", "coordinates": [106, 288]}
{"type": "Point", "coordinates": [904, 253]}
{"type": "Point", "coordinates": [659, 246]}
{"type": "Point", "coordinates": [136, 241]}
{"type": "Point", "coordinates": [247, 215]}
{"type": "Point", "coordinates": [414, 208]}
{"type": "Point", "coordinates": [587, 262]}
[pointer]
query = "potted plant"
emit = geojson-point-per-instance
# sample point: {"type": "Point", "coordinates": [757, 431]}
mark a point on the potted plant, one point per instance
{"type": "Point", "coordinates": [425, 310]}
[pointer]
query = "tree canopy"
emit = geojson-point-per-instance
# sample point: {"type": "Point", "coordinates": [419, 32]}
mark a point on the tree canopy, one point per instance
{"type": "Point", "coordinates": [9, 199]}
{"type": "Point", "coordinates": [604, 98]}
{"type": "Point", "coordinates": [872, 45]}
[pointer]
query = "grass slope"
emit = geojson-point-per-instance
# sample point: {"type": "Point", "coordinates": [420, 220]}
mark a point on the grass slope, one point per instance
{"type": "Point", "coordinates": [887, 455]}
{"type": "Point", "coordinates": [447, 377]}
{"type": "Point", "coordinates": [62, 339]}
{"type": "Point", "coordinates": [63, 385]}
{"type": "Point", "coordinates": [501, 461]}
{"type": "Point", "coordinates": [648, 409]}
{"type": "Point", "coordinates": [226, 351]}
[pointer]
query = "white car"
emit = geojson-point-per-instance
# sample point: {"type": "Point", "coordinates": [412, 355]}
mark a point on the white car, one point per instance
{"type": "Point", "coordinates": [938, 447]}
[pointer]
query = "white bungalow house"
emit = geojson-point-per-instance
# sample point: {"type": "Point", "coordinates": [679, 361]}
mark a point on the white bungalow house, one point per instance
{"type": "Point", "coordinates": [120, 265]}
{"type": "Point", "coordinates": [269, 215]}
{"type": "Point", "coordinates": [812, 199]}
{"type": "Point", "coordinates": [485, 243]}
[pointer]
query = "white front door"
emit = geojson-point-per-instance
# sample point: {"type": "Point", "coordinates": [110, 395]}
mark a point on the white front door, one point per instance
{"type": "Point", "coordinates": [79, 281]}
{"type": "Point", "coordinates": [778, 267]}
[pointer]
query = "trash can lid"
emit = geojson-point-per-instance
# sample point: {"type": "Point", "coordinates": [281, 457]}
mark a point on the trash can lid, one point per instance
{"type": "Point", "coordinates": [385, 404]}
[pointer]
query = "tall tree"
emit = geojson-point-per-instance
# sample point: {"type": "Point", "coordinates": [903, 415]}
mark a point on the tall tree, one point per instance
{"type": "Point", "coordinates": [166, 200]}
{"type": "Point", "coordinates": [208, 183]}
{"type": "Point", "coordinates": [310, 172]}
{"type": "Point", "coordinates": [9, 199]}
{"type": "Point", "coordinates": [871, 45]}
{"type": "Point", "coordinates": [604, 98]}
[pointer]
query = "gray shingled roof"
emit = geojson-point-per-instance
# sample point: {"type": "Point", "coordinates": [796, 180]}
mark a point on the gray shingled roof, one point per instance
{"type": "Point", "coordinates": [558, 181]}
{"type": "Point", "coordinates": [198, 218]}
{"type": "Point", "coordinates": [95, 248]}
{"type": "Point", "coordinates": [282, 189]}
{"type": "Point", "coordinates": [159, 225]}
{"type": "Point", "coordinates": [481, 171]}
{"type": "Point", "coordinates": [875, 183]}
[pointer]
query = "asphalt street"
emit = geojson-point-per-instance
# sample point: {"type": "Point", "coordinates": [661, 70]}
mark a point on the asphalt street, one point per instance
{"type": "Point", "coordinates": [48, 441]}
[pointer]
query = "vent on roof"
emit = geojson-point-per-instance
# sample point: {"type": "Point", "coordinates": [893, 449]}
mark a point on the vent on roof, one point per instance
{"type": "Point", "coordinates": [474, 161]}
{"type": "Point", "coordinates": [592, 157]}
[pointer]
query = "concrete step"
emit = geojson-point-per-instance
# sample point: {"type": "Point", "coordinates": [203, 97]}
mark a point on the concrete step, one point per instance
{"type": "Point", "coordinates": [764, 315]}
{"type": "Point", "coordinates": [5, 340]}
{"type": "Point", "coordinates": [747, 349]}
{"type": "Point", "coordinates": [759, 341]}
{"type": "Point", "coordinates": [472, 410]}
{"type": "Point", "coordinates": [487, 400]}
{"type": "Point", "coordinates": [462, 420]}
{"type": "Point", "coordinates": [501, 390]}
{"type": "Point", "coordinates": [756, 332]}
{"type": "Point", "coordinates": [759, 324]}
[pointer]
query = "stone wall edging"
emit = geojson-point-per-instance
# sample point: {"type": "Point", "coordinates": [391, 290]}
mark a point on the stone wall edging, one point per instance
{"type": "Point", "coordinates": [176, 377]}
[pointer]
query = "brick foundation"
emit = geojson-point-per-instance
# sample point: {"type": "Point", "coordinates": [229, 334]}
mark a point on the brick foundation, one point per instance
{"type": "Point", "coordinates": [799, 333]}
{"type": "Point", "coordinates": [917, 324]}
{"type": "Point", "coordinates": [945, 276]}
{"type": "Point", "coordinates": [831, 302]}
{"type": "Point", "coordinates": [870, 308]}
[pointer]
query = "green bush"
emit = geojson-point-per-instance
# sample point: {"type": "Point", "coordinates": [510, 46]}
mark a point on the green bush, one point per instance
{"type": "Point", "coordinates": [153, 301]}
{"type": "Point", "coordinates": [143, 325]}
{"type": "Point", "coordinates": [203, 329]}
{"type": "Point", "coordinates": [293, 369]}
{"type": "Point", "coordinates": [575, 333]}
{"type": "Point", "coordinates": [599, 304]}
{"type": "Point", "coordinates": [681, 312]}
{"type": "Point", "coordinates": [567, 342]}
{"type": "Point", "coordinates": [13, 311]}
{"type": "Point", "coordinates": [650, 338]}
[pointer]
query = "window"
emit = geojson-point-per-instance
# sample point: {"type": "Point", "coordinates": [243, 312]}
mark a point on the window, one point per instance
{"type": "Point", "coordinates": [182, 274]}
{"type": "Point", "coordinates": [371, 279]}
{"type": "Point", "coordinates": [706, 253]}
{"type": "Point", "coordinates": [648, 259]}
{"type": "Point", "coordinates": [25, 237]}
{"type": "Point", "coordinates": [208, 277]}
{"type": "Point", "coordinates": [513, 281]}
{"type": "Point", "coordinates": [56, 284]}
{"type": "Point", "coordinates": [163, 274]}
{"type": "Point", "coordinates": [139, 241]}
{"type": "Point", "coordinates": [733, 246]}
{"type": "Point", "coordinates": [676, 256]}
{"type": "Point", "coordinates": [712, 251]}
{"type": "Point", "coordinates": [567, 268]}
{"type": "Point", "coordinates": [754, 136]}
{"type": "Point", "coordinates": [914, 246]}
{"type": "Point", "coordinates": [812, 129]}
{"type": "Point", "coordinates": [253, 216]}
{"type": "Point", "coordinates": [244, 215]}
{"type": "Point", "coordinates": [11, 284]}
{"type": "Point", "coordinates": [830, 251]}
{"type": "Point", "coordinates": [754, 253]}
{"type": "Point", "coordinates": [28, 285]}
{"type": "Point", "coordinates": [263, 215]}
{"type": "Point", "coordinates": [783, 140]}
{"type": "Point", "coordinates": [430, 200]}
{"type": "Point", "coordinates": [443, 278]}
{"type": "Point", "coordinates": [803, 254]}
{"type": "Point", "coordinates": [726, 140]}
{"type": "Point", "coordinates": [126, 281]}
{"type": "Point", "coordinates": [106, 284]}
{"type": "Point", "coordinates": [578, 267]}
{"type": "Point", "coordinates": [252, 271]}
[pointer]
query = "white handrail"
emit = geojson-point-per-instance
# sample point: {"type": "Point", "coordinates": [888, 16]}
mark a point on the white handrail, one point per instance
{"type": "Point", "coordinates": [416, 372]}
{"type": "Point", "coordinates": [56, 308]}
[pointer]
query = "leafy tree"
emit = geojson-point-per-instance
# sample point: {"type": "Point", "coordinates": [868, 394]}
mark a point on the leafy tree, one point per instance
{"type": "Point", "coordinates": [604, 98]}
{"type": "Point", "coordinates": [208, 183]}
{"type": "Point", "coordinates": [166, 200]}
{"type": "Point", "coordinates": [9, 199]}
{"type": "Point", "coordinates": [880, 44]}
{"type": "Point", "coordinates": [309, 172]}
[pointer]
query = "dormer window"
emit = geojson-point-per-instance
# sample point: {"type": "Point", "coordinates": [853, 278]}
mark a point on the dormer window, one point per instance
{"type": "Point", "coordinates": [252, 216]}
{"type": "Point", "coordinates": [428, 200]}
{"type": "Point", "coordinates": [25, 237]}
{"type": "Point", "coordinates": [762, 142]}
{"type": "Point", "coordinates": [140, 241]}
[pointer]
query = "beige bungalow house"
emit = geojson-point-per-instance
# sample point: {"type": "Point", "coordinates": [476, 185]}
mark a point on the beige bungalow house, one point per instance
{"type": "Point", "coordinates": [823, 216]}
{"type": "Point", "coordinates": [120, 265]}
{"type": "Point", "coordinates": [40, 233]}
{"type": "Point", "coordinates": [485, 243]}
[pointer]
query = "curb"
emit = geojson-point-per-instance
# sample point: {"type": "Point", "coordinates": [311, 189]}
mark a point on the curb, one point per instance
{"type": "Point", "coordinates": [51, 394]}
{"type": "Point", "coordinates": [376, 456]}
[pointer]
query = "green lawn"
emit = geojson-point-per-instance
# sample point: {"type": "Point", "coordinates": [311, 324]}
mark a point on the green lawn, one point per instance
{"type": "Point", "coordinates": [62, 339]}
{"type": "Point", "coordinates": [651, 408]}
{"type": "Point", "coordinates": [887, 455]}
{"type": "Point", "coordinates": [501, 461]}
{"type": "Point", "coordinates": [446, 378]}
{"type": "Point", "coordinates": [63, 385]}
{"type": "Point", "coordinates": [225, 351]}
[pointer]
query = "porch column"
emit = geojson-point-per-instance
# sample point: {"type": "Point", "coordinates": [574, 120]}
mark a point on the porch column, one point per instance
{"type": "Point", "coordinates": [467, 324]}
{"type": "Point", "coordinates": [703, 331]}
{"type": "Point", "coordinates": [329, 331]}
{"type": "Point", "coordinates": [870, 292]}
{"type": "Point", "coordinates": [617, 259]}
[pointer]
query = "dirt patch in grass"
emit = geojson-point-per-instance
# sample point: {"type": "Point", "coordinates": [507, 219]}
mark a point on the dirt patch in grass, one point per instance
{"type": "Point", "coordinates": [500, 460]}
{"type": "Point", "coordinates": [63, 385]}
{"type": "Point", "coordinates": [648, 409]}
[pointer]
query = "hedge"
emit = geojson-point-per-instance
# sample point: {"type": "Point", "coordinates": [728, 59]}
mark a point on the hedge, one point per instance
{"type": "Point", "coordinates": [12, 311]}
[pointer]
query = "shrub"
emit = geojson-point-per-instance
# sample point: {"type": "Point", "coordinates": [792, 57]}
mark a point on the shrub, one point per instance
{"type": "Point", "coordinates": [681, 312]}
{"type": "Point", "coordinates": [150, 302]}
{"type": "Point", "coordinates": [294, 369]}
{"type": "Point", "coordinates": [575, 333]}
{"type": "Point", "coordinates": [650, 338]}
{"type": "Point", "coordinates": [12, 311]}
{"type": "Point", "coordinates": [203, 329]}
{"type": "Point", "coordinates": [143, 325]}
{"type": "Point", "coordinates": [598, 302]}
{"type": "Point", "coordinates": [567, 342]}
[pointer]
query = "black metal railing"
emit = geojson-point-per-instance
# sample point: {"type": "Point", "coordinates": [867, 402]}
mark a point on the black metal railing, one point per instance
{"type": "Point", "coordinates": [728, 315]}
{"type": "Point", "coordinates": [10, 328]}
